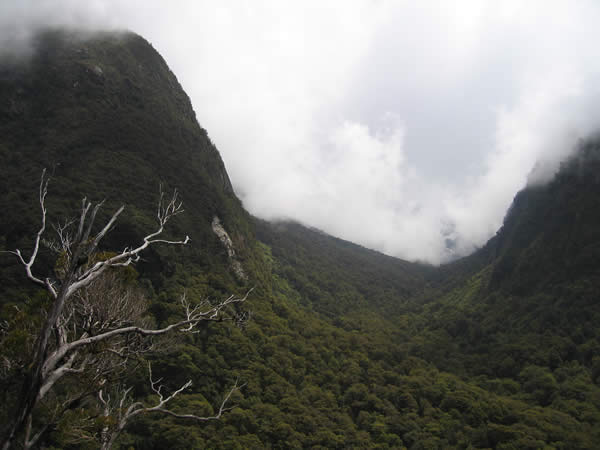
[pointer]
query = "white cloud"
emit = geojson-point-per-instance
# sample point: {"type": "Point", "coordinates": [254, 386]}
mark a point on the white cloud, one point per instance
{"type": "Point", "coordinates": [397, 125]}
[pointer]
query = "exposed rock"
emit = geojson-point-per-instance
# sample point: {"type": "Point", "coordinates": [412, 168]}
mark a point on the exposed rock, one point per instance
{"type": "Point", "coordinates": [221, 233]}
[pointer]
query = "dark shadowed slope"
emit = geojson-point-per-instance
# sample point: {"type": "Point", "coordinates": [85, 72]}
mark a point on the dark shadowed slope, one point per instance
{"type": "Point", "coordinates": [105, 115]}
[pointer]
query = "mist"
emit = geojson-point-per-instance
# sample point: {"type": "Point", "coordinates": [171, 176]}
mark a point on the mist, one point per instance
{"type": "Point", "coordinates": [405, 127]}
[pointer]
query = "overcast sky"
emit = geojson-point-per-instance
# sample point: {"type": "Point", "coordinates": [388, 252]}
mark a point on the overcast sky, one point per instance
{"type": "Point", "coordinates": [399, 125]}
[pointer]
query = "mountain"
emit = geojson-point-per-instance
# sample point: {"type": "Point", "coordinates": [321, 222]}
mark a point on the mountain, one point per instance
{"type": "Point", "coordinates": [509, 334]}
{"type": "Point", "coordinates": [346, 347]}
{"type": "Point", "coordinates": [337, 277]}
{"type": "Point", "coordinates": [538, 282]}
{"type": "Point", "coordinates": [550, 234]}
{"type": "Point", "coordinates": [107, 117]}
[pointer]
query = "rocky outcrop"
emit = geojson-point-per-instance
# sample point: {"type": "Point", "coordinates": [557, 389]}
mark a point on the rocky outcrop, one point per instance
{"type": "Point", "coordinates": [223, 236]}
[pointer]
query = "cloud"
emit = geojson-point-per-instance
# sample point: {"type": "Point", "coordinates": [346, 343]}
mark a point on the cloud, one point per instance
{"type": "Point", "coordinates": [20, 20]}
{"type": "Point", "coordinates": [406, 127]}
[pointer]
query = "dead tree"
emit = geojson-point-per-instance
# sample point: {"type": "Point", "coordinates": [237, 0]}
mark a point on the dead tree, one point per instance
{"type": "Point", "coordinates": [123, 409]}
{"type": "Point", "coordinates": [75, 322]}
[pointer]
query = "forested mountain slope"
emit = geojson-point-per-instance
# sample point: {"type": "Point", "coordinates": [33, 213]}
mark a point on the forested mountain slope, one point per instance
{"type": "Point", "coordinates": [336, 277]}
{"type": "Point", "coordinates": [345, 347]}
{"type": "Point", "coordinates": [517, 319]}
{"type": "Point", "coordinates": [535, 301]}
{"type": "Point", "coordinates": [104, 114]}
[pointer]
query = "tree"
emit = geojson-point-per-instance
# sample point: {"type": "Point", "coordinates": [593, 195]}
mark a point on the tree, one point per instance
{"type": "Point", "coordinates": [122, 409]}
{"type": "Point", "coordinates": [91, 309]}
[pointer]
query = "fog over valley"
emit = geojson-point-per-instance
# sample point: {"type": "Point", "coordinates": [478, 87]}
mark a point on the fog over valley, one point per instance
{"type": "Point", "coordinates": [404, 127]}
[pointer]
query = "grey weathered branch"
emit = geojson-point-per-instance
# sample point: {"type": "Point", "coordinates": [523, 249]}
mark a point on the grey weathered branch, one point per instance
{"type": "Point", "coordinates": [194, 315]}
{"type": "Point", "coordinates": [49, 364]}
{"type": "Point", "coordinates": [43, 191]}
{"type": "Point", "coordinates": [125, 415]}
{"type": "Point", "coordinates": [90, 307]}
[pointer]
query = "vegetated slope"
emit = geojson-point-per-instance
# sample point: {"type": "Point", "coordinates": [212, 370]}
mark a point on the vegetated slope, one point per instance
{"type": "Point", "coordinates": [106, 117]}
{"type": "Point", "coordinates": [551, 234]}
{"type": "Point", "coordinates": [517, 319]}
{"type": "Point", "coordinates": [528, 314]}
{"type": "Point", "coordinates": [346, 348]}
{"type": "Point", "coordinates": [540, 283]}
{"type": "Point", "coordinates": [336, 277]}
{"type": "Point", "coordinates": [108, 120]}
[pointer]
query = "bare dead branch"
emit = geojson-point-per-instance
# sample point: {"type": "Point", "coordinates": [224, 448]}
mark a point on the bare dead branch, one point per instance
{"type": "Point", "coordinates": [85, 207]}
{"type": "Point", "coordinates": [86, 235]}
{"type": "Point", "coordinates": [29, 442]}
{"type": "Point", "coordinates": [107, 227]}
{"type": "Point", "coordinates": [90, 308]}
{"type": "Point", "coordinates": [128, 256]}
{"type": "Point", "coordinates": [43, 191]}
{"type": "Point", "coordinates": [222, 408]}
{"type": "Point", "coordinates": [125, 414]}
{"type": "Point", "coordinates": [194, 315]}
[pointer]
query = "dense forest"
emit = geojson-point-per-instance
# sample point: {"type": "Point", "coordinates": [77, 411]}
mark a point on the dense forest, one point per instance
{"type": "Point", "coordinates": [339, 346]}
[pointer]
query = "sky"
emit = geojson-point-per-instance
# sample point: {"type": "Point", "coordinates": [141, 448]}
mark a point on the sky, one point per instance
{"type": "Point", "coordinates": [404, 126]}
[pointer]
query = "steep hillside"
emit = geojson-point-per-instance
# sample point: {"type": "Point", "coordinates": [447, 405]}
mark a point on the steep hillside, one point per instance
{"type": "Point", "coordinates": [336, 277]}
{"type": "Point", "coordinates": [532, 297]}
{"type": "Point", "coordinates": [108, 119]}
{"type": "Point", "coordinates": [105, 115]}
{"type": "Point", "coordinates": [550, 235]}
{"type": "Point", "coordinates": [517, 320]}
{"type": "Point", "coordinates": [527, 310]}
